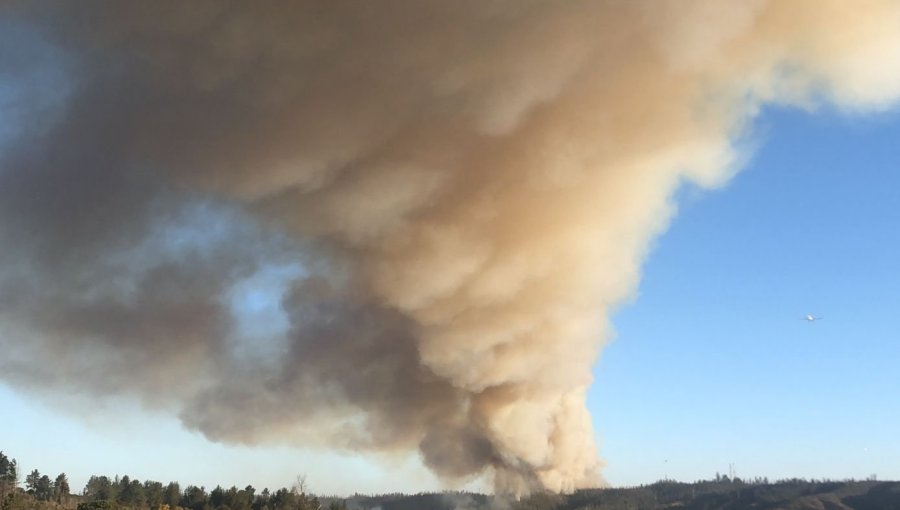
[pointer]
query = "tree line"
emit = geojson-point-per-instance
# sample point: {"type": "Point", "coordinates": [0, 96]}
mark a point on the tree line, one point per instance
{"type": "Point", "coordinates": [153, 495]}
{"type": "Point", "coordinates": [40, 492]}
{"type": "Point", "coordinates": [122, 493]}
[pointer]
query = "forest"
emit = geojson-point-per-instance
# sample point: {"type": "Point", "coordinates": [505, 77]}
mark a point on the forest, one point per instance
{"type": "Point", "coordinates": [37, 491]}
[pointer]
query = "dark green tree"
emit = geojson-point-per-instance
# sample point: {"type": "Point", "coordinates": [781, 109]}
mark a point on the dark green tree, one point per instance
{"type": "Point", "coordinates": [131, 493]}
{"type": "Point", "coordinates": [217, 497]}
{"type": "Point", "coordinates": [283, 499]}
{"type": "Point", "coordinates": [172, 494]}
{"type": "Point", "coordinates": [122, 486]}
{"type": "Point", "coordinates": [9, 476]}
{"type": "Point", "coordinates": [153, 493]}
{"type": "Point", "coordinates": [232, 499]}
{"type": "Point", "coordinates": [195, 498]}
{"type": "Point", "coordinates": [242, 499]}
{"type": "Point", "coordinates": [61, 488]}
{"type": "Point", "coordinates": [100, 488]}
{"type": "Point", "coordinates": [44, 489]}
{"type": "Point", "coordinates": [31, 481]}
{"type": "Point", "coordinates": [261, 501]}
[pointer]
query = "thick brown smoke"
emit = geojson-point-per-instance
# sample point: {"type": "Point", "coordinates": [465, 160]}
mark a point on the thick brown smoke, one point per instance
{"type": "Point", "coordinates": [467, 187]}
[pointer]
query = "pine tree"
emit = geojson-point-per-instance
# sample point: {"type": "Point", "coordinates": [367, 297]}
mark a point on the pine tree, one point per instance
{"type": "Point", "coordinates": [44, 489]}
{"type": "Point", "coordinates": [61, 488]}
{"type": "Point", "coordinates": [31, 481]}
{"type": "Point", "coordinates": [8, 476]}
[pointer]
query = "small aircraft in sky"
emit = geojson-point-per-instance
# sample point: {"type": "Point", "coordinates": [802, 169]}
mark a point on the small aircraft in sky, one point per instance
{"type": "Point", "coordinates": [812, 318]}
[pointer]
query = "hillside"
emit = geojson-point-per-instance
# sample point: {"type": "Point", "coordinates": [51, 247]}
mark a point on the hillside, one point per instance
{"type": "Point", "coordinates": [41, 492]}
{"type": "Point", "coordinates": [704, 495]}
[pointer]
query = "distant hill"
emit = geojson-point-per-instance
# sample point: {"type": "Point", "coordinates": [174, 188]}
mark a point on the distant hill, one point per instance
{"type": "Point", "coordinates": [705, 495]}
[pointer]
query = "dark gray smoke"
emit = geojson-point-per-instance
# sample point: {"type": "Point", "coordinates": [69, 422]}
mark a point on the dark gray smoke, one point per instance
{"type": "Point", "coordinates": [460, 192]}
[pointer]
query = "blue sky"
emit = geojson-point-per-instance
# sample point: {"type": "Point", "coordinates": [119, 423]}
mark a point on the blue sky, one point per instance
{"type": "Point", "coordinates": [712, 363]}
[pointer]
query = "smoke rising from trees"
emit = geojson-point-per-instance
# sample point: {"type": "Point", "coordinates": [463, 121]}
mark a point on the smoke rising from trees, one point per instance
{"type": "Point", "coordinates": [467, 188]}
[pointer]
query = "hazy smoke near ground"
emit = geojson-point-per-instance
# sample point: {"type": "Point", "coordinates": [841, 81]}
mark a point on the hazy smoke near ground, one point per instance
{"type": "Point", "coordinates": [467, 189]}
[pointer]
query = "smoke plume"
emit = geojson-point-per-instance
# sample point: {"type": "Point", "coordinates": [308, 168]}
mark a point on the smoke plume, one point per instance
{"type": "Point", "coordinates": [451, 196]}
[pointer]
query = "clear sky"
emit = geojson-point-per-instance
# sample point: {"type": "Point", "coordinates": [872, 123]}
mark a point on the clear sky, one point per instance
{"type": "Point", "coordinates": [712, 363]}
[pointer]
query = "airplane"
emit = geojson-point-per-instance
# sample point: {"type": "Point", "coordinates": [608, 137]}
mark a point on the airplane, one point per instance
{"type": "Point", "coordinates": [812, 318]}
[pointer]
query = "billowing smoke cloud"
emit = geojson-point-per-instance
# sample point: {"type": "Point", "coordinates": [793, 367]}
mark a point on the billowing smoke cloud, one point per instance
{"type": "Point", "coordinates": [454, 194]}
